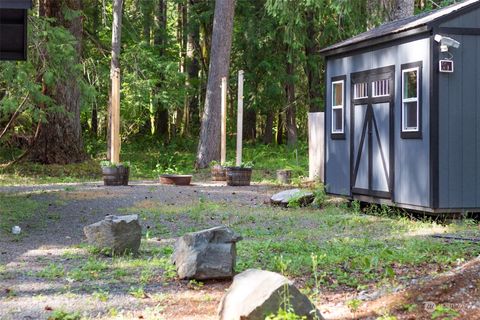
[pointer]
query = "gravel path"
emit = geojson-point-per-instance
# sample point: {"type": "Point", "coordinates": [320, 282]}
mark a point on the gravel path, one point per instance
{"type": "Point", "coordinates": [57, 228]}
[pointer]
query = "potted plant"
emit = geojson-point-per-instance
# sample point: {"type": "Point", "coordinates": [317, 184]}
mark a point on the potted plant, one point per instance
{"type": "Point", "coordinates": [239, 175]}
{"type": "Point", "coordinates": [172, 175]}
{"type": "Point", "coordinates": [115, 174]}
{"type": "Point", "coordinates": [218, 171]}
{"type": "Point", "coordinates": [284, 176]}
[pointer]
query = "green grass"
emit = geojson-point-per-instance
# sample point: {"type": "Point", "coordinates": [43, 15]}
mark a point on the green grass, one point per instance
{"type": "Point", "coordinates": [146, 155]}
{"type": "Point", "coordinates": [351, 249]}
{"type": "Point", "coordinates": [15, 210]}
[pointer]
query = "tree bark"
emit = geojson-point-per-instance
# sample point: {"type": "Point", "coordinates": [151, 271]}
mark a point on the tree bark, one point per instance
{"type": "Point", "coordinates": [291, 110]}
{"type": "Point", "coordinates": [209, 146]}
{"type": "Point", "coordinates": [268, 131]}
{"type": "Point", "coordinates": [161, 112]}
{"type": "Point", "coordinates": [280, 129]}
{"type": "Point", "coordinates": [250, 125]}
{"type": "Point", "coordinates": [59, 140]}
{"type": "Point", "coordinates": [402, 9]}
{"type": "Point", "coordinates": [193, 67]}
{"type": "Point", "coordinates": [96, 25]}
{"type": "Point", "coordinates": [312, 64]}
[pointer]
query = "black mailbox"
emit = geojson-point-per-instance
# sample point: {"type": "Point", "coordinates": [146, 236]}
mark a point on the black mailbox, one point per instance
{"type": "Point", "coordinates": [13, 29]}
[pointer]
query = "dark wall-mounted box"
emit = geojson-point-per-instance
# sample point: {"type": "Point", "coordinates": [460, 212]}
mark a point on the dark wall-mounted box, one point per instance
{"type": "Point", "coordinates": [13, 29]}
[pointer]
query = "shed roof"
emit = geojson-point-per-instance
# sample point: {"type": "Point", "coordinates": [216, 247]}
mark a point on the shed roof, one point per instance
{"type": "Point", "coordinates": [15, 4]}
{"type": "Point", "coordinates": [401, 28]}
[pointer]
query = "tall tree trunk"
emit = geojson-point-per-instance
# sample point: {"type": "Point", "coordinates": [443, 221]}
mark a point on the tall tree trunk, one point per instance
{"type": "Point", "coordinates": [312, 64]}
{"type": "Point", "coordinates": [291, 110]}
{"type": "Point", "coordinates": [250, 125]}
{"type": "Point", "coordinates": [60, 138]}
{"type": "Point", "coordinates": [280, 128]}
{"type": "Point", "coordinates": [146, 9]}
{"type": "Point", "coordinates": [209, 144]}
{"type": "Point", "coordinates": [96, 26]}
{"type": "Point", "coordinates": [268, 131]}
{"type": "Point", "coordinates": [402, 9]}
{"type": "Point", "coordinates": [161, 112]}
{"type": "Point", "coordinates": [193, 68]}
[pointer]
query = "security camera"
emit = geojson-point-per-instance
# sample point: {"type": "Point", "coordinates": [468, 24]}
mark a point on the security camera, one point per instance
{"type": "Point", "coordinates": [446, 42]}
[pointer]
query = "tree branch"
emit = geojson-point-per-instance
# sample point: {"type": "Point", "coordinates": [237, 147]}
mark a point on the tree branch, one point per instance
{"type": "Point", "coordinates": [14, 116]}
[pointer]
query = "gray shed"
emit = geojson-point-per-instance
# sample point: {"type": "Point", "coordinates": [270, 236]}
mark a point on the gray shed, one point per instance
{"type": "Point", "coordinates": [402, 112]}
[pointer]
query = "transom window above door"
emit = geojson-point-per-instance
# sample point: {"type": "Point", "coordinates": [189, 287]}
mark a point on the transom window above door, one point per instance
{"type": "Point", "coordinates": [381, 88]}
{"type": "Point", "coordinates": [360, 90]}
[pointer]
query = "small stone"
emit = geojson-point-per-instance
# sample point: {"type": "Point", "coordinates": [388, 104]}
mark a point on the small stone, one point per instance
{"type": "Point", "coordinates": [256, 294]}
{"type": "Point", "coordinates": [120, 234]}
{"type": "Point", "coordinates": [206, 254]}
{"type": "Point", "coordinates": [283, 198]}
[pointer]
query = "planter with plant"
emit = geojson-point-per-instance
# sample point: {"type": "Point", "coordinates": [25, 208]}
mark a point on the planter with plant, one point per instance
{"type": "Point", "coordinates": [218, 171]}
{"type": "Point", "coordinates": [239, 175]}
{"type": "Point", "coordinates": [115, 174]}
{"type": "Point", "coordinates": [172, 176]}
{"type": "Point", "coordinates": [284, 176]}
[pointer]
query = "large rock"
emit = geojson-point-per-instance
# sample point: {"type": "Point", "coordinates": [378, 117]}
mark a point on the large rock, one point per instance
{"type": "Point", "coordinates": [206, 254]}
{"type": "Point", "coordinates": [256, 294]}
{"type": "Point", "coordinates": [283, 198]}
{"type": "Point", "coordinates": [120, 234]}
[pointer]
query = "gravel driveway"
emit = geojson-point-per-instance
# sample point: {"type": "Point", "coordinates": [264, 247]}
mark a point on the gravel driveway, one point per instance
{"type": "Point", "coordinates": [55, 231]}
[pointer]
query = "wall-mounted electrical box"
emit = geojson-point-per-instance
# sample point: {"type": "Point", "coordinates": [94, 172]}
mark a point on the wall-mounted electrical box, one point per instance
{"type": "Point", "coordinates": [446, 66]}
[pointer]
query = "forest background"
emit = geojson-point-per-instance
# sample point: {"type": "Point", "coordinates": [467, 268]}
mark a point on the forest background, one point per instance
{"type": "Point", "coordinates": [54, 108]}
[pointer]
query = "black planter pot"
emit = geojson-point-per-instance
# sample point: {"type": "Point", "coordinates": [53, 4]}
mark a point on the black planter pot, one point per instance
{"type": "Point", "coordinates": [237, 176]}
{"type": "Point", "coordinates": [115, 176]}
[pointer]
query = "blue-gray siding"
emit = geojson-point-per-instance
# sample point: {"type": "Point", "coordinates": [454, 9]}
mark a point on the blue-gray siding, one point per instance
{"type": "Point", "coordinates": [459, 118]}
{"type": "Point", "coordinates": [412, 162]}
{"type": "Point", "coordinates": [468, 20]}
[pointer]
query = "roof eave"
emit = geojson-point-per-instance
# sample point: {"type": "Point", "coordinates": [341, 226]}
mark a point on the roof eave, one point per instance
{"type": "Point", "coordinates": [376, 41]}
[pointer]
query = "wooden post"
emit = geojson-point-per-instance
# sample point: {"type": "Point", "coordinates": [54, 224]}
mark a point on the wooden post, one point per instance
{"type": "Point", "coordinates": [240, 118]}
{"type": "Point", "coordinates": [115, 119]}
{"type": "Point", "coordinates": [223, 153]}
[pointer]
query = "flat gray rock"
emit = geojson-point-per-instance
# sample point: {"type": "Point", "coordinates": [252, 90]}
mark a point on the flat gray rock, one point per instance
{"type": "Point", "coordinates": [283, 198]}
{"type": "Point", "coordinates": [120, 234]}
{"type": "Point", "coordinates": [256, 294]}
{"type": "Point", "coordinates": [206, 254]}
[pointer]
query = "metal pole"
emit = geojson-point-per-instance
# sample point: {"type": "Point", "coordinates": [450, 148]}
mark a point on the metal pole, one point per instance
{"type": "Point", "coordinates": [240, 118]}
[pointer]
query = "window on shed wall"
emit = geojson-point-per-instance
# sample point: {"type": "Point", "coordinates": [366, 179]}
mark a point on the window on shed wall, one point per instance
{"type": "Point", "coordinates": [410, 100]}
{"type": "Point", "coordinates": [338, 105]}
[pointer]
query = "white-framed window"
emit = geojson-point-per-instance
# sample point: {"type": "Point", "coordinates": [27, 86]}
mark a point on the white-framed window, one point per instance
{"type": "Point", "coordinates": [360, 90]}
{"type": "Point", "coordinates": [410, 100]}
{"type": "Point", "coordinates": [381, 88]}
{"type": "Point", "coordinates": [338, 106]}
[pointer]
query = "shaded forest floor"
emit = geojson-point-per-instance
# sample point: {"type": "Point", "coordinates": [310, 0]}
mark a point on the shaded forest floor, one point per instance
{"type": "Point", "coordinates": [353, 265]}
{"type": "Point", "coordinates": [149, 158]}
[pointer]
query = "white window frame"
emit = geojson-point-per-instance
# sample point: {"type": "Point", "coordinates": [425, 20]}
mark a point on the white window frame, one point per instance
{"type": "Point", "coordinates": [383, 85]}
{"type": "Point", "coordinates": [409, 100]}
{"type": "Point", "coordinates": [336, 107]}
{"type": "Point", "coordinates": [362, 88]}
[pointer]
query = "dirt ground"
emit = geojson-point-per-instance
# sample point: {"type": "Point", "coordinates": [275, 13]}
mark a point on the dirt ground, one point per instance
{"type": "Point", "coordinates": [70, 207]}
